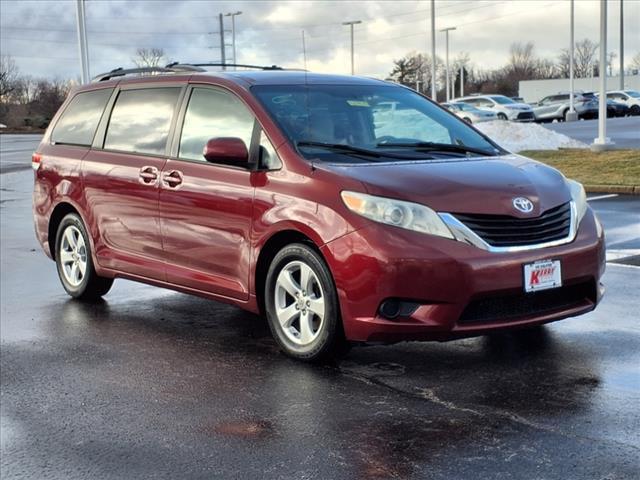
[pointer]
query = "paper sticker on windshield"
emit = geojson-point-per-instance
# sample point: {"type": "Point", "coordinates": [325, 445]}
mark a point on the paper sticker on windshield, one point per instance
{"type": "Point", "coordinates": [358, 103]}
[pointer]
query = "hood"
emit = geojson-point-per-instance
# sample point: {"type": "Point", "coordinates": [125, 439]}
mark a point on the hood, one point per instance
{"type": "Point", "coordinates": [487, 185]}
{"type": "Point", "coordinates": [518, 106]}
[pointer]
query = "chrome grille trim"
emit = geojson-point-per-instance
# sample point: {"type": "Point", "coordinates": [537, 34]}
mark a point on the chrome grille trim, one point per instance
{"type": "Point", "coordinates": [463, 233]}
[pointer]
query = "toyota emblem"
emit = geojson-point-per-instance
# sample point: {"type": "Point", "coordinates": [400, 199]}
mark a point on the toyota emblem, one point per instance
{"type": "Point", "coordinates": [523, 204]}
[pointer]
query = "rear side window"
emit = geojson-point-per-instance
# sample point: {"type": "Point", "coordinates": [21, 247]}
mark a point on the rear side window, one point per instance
{"type": "Point", "coordinates": [79, 121]}
{"type": "Point", "coordinates": [213, 113]}
{"type": "Point", "coordinates": [141, 119]}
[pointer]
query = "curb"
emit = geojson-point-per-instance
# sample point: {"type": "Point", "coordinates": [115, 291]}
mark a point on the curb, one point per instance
{"type": "Point", "coordinates": [623, 189]}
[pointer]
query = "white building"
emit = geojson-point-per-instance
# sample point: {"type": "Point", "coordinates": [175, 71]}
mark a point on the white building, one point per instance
{"type": "Point", "coordinates": [535, 90]}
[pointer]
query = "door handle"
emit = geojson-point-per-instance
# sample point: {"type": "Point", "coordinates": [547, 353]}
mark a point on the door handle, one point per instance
{"type": "Point", "coordinates": [148, 175]}
{"type": "Point", "coordinates": [172, 179]}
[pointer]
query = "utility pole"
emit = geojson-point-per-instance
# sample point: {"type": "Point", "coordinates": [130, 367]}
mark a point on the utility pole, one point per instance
{"type": "Point", "coordinates": [434, 91]}
{"type": "Point", "coordinates": [621, 46]}
{"type": "Point", "coordinates": [462, 79]}
{"type": "Point", "coordinates": [222, 53]}
{"type": "Point", "coordinates": [602, 142]}
{"type": "Point", "coordinates": [446, 32]}
{"type": "Point", "coordinates": [304, 50]}
{"type": "Point", "coordinates": [83, 46]}
{"type": "Point", "coordinates": [233, 33]}
{"type": "Point", "coordinates": [351, 24]}
{"type": "Point", "coordinates": [572, 116]}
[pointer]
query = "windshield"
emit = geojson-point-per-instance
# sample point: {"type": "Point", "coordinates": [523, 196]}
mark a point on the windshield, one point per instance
{"type": "Point", "coordinates": [378, 119]}
{"type": "Point", "coordinates": [632, 93]}
{"type": "Point", "coordinates": [502, 100]}
{"type": "Point", "coordinates": [465, 107]}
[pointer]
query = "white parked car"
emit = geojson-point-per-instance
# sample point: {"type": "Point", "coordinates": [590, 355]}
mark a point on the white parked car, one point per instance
{"type": "Point", "coordinates": [469, 113]}
{"type": "Point", "coordinates": [631, 98]}
{"type": "Point", "coordinates": [504, 107]}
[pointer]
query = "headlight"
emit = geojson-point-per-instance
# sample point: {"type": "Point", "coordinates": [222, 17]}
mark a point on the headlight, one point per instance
{"type": "Point", "coordinates": [579, 197]}
{"type": "Point", "coordinates": [411, 216]}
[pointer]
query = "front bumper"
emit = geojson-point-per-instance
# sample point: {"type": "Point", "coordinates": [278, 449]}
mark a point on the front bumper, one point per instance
{"type": "Point", "coordinates": [460, 289]}
{"type": "Point", "coordinates": [521, 116]}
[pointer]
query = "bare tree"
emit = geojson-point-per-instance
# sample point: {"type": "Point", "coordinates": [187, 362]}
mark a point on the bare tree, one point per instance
{"type": "Point", "coordinates": [148, 57]}
{"type": "Point", "coordinates": [522, 60]}
{"type": "Point", "coordinates": [584, 59]}
{"type": "Point", "coordinates": [8, 75]}
{"type": "Point", "coordinates": [635, 62]}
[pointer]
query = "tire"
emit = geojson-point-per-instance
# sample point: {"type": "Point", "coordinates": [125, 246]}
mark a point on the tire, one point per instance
{"type": "Point", "coordinates": [564, 115]}
{"type": "Point", "coordinates": [502, 116]}
{"type": "Point", "coordinates": [635, 110]}
{"type": "Point", "coordinates": [305, 322]}
{"type": "Point", "coordinates": [73, 250]}
{"type": "Point", "coordinates": [467, 119]}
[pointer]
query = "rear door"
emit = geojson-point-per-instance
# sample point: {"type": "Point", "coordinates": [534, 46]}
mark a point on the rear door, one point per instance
{"type": "Point", "coordinates": [206, 208]}
{"type": "Point", "coordinates": [122, 179]}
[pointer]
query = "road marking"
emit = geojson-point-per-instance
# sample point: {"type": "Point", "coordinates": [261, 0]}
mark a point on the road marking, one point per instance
{"type": "Point", "coordinates": [622, 253]}
{"type": "Point", "coordinates": [602, 197]}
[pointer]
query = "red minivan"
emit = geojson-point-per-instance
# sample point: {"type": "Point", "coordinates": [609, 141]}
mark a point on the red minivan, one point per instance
{"type": "Point", "coordinates": [344, 209]}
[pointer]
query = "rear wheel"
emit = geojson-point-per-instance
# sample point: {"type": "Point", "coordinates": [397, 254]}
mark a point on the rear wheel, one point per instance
{"type": "Point", "coordinates": [302, 305]}
{"type": "Point", "coordinates": [467, 119]}
{"type": "Point", "coordinates": [502, 116]}
{"type": "Point", "coordinates": [74, 261]}
{"type": "Point", "coordinates": [635, 110]}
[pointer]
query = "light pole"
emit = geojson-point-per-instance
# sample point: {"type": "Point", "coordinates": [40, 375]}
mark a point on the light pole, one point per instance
{"type": "Point", "coordinates": [434, 91]}
{"type": "Point", "coordinates": [572, 116]}
{"type": "Point", "coordinates": [233, 32]}
{"type": "Point", "coordinates": [82, 41]}
{"type": "Point", "coordinates": [446, 32]}
{"type": "Point", "coordinates": [351, 24]}
{"type": "Point", "coordinates": [462, 79]}
{"type": "Point", "coordinates": [621, 47]}
{"type": "Point", "coordinates": [602, 142]}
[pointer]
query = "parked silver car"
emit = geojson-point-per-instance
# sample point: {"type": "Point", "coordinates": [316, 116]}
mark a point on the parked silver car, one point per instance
{"type": "Point", "coordinates": [503, 107]}
{"type": "Point", "coordinates": [631, 98]}
{"type": "Point", "coordinates": [556, 107]}
{"type": "Point", "coordinates": [469, 113]}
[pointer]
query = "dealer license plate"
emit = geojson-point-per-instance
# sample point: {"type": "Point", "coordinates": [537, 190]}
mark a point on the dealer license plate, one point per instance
{"type": "Point", "coordinates": [542, 275]}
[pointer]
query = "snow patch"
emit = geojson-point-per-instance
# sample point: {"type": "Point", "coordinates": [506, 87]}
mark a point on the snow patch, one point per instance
{"type": "Point", "coordinates": [516, 137]}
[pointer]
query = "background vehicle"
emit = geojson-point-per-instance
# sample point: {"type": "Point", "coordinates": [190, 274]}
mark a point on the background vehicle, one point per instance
{"type": "Point", "coordinates": [630, 98]}
{"type": "Point", "coordinates": [503, 107]}
{"type": "Point", "coordinates": [614, 108]}
{"type": "Point", "coordinates": [281, 192]}
{"type": "Point", "coordinates": [469, 113]}
{"type": "Point", "coordinates": [556, 107]}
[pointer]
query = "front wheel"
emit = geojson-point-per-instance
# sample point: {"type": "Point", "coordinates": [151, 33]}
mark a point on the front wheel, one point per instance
{"type": "Point", "coordinates": [74, 262]}
{"type": "Point", "coordinates": [502, 116]}
{"type": "Point", "coordinates": [302, 305]}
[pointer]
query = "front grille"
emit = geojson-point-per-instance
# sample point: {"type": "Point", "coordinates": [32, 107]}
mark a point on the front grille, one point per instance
{"type": "Point", "coordinates": [521, 305]}
{"type": "Point", "coordinates": [507, 231]}
{"type": "Point", "coordinates": [525, 116]}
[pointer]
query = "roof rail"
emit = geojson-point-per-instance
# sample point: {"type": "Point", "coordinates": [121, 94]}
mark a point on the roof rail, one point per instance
{"type": "Point", "coordinates": [121, 72]}
{"type": "Point", "coordinates": [214, 64]}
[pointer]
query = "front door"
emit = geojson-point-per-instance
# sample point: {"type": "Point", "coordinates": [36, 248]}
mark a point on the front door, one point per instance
{"type": "Point", "coordinates": [206, 208]}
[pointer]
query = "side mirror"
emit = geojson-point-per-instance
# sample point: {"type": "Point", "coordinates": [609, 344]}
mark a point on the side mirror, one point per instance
{"type": "Point", "coordinates": [229, 150]}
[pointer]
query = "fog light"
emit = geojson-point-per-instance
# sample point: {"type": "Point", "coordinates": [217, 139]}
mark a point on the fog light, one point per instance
{"type": "Point", "coordinates": [393, 308]}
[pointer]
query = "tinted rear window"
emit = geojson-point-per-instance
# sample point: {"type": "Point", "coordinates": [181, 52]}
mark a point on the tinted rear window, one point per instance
{"type": "Point", "coordinates": [141, 119]}
{"type": "Point", "coordinates": [79, 121]}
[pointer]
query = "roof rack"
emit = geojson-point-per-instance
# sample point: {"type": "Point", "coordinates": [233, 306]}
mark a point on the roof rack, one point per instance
{"type": "Point", "coordinates": [121, 72]}
{"type": "Point", "coordinates": [175, 67]}
{"type": "Point", "coordinates": [215, 64]}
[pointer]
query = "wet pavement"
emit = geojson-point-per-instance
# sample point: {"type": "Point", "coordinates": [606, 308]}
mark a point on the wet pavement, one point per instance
{"type": "Point", "coordinates": [155, 384]}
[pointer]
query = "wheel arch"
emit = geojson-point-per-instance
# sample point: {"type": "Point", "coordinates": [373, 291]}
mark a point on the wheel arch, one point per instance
{"type": "Point", "coordinates": [60, 211]}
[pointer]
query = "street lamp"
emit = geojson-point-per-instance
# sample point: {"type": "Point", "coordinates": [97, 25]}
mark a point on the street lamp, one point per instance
{"type": "Point", "coordinates": [434, 92]}
{"type": "Point", "coordinates": [446, 32]}
{"type": "Point", "coordinates": [351, 24]}
{"type": "Point", "coordinates": [602, 142]}
{"type": "Point", "coordinates": [572, 116]}
{"type": "Point", "coordinates": [233, 33]}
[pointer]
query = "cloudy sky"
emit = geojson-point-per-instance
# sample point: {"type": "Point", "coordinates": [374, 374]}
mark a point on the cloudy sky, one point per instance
{"type": "Point", "coordinates": [41, 35]}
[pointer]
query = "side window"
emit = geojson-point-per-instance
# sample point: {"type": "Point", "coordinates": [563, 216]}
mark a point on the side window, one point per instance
{"type": "Point", "coordinates": [141, 119]}
{"type": "Point", "coordinates": [79, 121]}
{"type": "Point", "coordinates": [268, 157]}
{"type": "Point", "coordinates": [213, 113]}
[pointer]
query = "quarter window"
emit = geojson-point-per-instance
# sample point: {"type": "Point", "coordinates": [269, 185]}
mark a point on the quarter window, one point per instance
{"type": "Point", "coordinates": [141, 120]}
{"type": "Point", "coordinates": [79, 121]}
{"type": "Point", "coordinates": [210, 114]}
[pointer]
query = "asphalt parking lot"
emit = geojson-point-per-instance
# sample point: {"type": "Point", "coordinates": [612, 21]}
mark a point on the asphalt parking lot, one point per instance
{"type": "Point", "coordinates": [624, 132]}
{"type": "Point", "coordinates": [155, 384]}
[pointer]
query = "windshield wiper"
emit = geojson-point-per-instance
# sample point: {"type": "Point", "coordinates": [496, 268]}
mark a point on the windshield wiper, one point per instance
{"type": "Point", "coordinates": [434, 147]}
{"type": "Point", "coordinates": [351, 150]}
